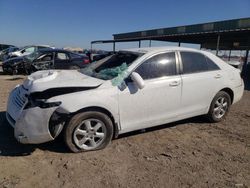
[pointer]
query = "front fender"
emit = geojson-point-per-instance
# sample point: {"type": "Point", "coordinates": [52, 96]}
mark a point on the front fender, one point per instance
{"type": "Point", "coordinates": [106, 98]}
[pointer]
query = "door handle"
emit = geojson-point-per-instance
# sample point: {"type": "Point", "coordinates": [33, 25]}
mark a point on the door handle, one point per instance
{"type": "Point", "coordinates": [174, 83]}
{"type": "Point", "coordinates": [218, 76]}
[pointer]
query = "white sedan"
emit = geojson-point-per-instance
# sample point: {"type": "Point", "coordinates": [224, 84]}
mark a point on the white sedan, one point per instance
{"type": "Point", "coordinates": [130, 90]}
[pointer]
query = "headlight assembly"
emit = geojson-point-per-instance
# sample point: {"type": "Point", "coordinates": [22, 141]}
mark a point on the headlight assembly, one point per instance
{"type": "Point", "coordinates": [40, 103]}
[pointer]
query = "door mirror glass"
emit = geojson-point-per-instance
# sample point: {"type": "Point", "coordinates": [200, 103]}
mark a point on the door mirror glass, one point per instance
{"type": "Point", "coordinates": [137, 79]}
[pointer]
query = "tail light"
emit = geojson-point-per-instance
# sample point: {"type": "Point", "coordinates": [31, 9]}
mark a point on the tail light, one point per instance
{"type": "Point", "coordinates": [85, 61]}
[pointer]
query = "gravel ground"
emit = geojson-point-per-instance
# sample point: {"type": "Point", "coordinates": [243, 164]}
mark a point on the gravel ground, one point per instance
{"type": "Point", "coordinates": [189, 153]}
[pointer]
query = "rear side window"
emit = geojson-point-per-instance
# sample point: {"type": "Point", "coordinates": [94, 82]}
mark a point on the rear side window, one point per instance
{"type": "Point", "coordinates": [158, 66]}
{"type": "Point", "coordinates": [211, 65]}
{"type": "Point", "coordinates": [195, 62]}
{"type": "Point", "coordinates": [61, 56]}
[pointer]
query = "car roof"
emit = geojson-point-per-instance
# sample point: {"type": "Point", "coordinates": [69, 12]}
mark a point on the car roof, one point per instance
{"type": "Point", "coordinates": [47, 50]}
{"type": "Point", "coordinates": [159, 49]}
{"type": "Point", "coordinates": [53, 50]}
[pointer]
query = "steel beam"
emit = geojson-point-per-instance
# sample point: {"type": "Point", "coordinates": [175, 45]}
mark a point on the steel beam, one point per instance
{"type": "Point", "coordinates": [229, 56]}
{"type": "Point", "coordinates": [113, 46]}
{"type": "Point", "coordinates": [218, 45]}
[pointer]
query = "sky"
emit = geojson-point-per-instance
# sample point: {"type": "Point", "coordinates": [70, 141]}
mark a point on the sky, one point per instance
{"type": "Point", "coordinates": [75, 23]}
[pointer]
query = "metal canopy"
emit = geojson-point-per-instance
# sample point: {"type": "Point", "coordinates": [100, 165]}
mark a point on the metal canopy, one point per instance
{"type": "Point", "coordinates": [234, 34]}
{"type": "Point", "coordinates": [222, 35]}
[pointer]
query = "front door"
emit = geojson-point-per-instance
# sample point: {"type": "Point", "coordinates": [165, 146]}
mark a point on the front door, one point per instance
{"type": "Point", "coordinates": [159, 101]}
{"type": "Point", "coordinates": [44, 61]}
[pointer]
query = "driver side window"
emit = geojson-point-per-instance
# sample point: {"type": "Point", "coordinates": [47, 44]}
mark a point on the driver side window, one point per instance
{"type": "Point", "coordinates": [45, 57]}
{"type": "Point", "coordinates": [158, 66]}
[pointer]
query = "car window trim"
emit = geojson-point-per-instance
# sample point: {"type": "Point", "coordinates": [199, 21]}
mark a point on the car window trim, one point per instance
{"type": "Point", "coordinates": [181, 63]}
{"type": "Point", "coordinates": [177, 65]}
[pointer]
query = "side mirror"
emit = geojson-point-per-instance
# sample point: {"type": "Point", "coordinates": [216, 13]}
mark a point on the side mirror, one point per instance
{"type": "Point", "coordinates": [137, 79]}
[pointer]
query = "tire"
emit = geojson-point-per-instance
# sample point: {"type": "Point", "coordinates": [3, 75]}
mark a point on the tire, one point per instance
{"type": "Point", "coordinates": [88, 131]}
{"type": "Point", "coordinates": [219, 107]}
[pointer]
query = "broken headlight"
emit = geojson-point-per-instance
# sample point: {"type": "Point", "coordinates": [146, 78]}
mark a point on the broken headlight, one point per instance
{"type": "Point", "coordinates": [42, 103]}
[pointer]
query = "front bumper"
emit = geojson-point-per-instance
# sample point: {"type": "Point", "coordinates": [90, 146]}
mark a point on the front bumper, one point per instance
{"type": "Point", "coordinates": [31, 126]}
{"type": "Point", "coordinates": [7, 69]}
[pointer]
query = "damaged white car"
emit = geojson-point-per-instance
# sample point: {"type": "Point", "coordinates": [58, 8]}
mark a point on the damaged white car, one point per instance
{"type": "Point", "coordinates": [130, 90]}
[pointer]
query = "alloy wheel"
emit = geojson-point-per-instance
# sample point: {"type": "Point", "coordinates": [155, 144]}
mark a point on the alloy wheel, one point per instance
{"type": "Point", "coordinates": [89, 134]}
{"type": "Point", "coordinates": [220, 107]}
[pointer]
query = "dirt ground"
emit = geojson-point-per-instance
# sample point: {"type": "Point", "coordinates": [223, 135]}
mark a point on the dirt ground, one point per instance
{"type": "Point", "coordinates": [189, 153]}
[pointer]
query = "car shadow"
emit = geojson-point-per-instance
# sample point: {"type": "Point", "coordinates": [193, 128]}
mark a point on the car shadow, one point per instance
{"type": "Point", "coordinates": [195, 120]}
{"type": "Point", "coordinates": [10, 147]}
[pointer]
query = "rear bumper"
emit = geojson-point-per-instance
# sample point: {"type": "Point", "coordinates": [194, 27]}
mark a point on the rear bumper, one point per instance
{"type": "Point", "coordinates": [238, 93]}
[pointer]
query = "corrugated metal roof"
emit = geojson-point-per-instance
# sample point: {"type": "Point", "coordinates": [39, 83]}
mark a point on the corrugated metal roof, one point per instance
{"type": "Point", "coordinates": [211, 27]}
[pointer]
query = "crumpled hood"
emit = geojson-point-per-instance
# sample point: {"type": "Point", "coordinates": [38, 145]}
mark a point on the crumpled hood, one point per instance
{"type": "Point", "coordinates": [48, 79]}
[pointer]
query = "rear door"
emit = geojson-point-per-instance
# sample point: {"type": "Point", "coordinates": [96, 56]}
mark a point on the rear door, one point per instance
{"type": "Point", "coordinates": [201, 80]}
{"type": "Point", "coordinates": [62, 60]}
{"type": "Point", "coordinates": [159, 101]}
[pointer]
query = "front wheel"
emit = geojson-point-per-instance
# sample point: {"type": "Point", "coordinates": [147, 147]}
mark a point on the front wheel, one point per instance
{"type": "Point", "coordinates": [88, 131]}
{"type": "Point", "coordinates": [219, 107]}
{"type": "Point", "coordinates": [14, 71]}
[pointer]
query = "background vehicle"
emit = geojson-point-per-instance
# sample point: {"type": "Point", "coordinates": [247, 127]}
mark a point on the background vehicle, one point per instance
{"type": "Point", "coordinates": [45, 59]}
{"type": "Point", "coordinates": [27, 50]}
{"type": "Point", "coordinates": [4, 54]}
{"type": "Point", "coordinates": [97, 57]}
{"type": "Point", "coordinates": [5, 46]}
{"type": "Point", "coordinates": [133, 89]}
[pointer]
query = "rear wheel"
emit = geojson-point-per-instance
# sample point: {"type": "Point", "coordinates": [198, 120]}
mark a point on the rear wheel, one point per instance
{"type": "Point", "coordinates": [219, 107]}
{"type": "Point", "coordinates": [88, 131]}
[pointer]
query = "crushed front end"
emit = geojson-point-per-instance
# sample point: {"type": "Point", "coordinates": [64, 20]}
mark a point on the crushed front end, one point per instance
{"type": "Point", "coordinates": [29, 117]}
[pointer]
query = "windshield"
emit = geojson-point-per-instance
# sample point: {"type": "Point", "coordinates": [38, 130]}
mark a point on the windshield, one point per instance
{"type": "Point", "coordinates": [33, 56]}
{"type": "Point", "coordinates": [111, 66]}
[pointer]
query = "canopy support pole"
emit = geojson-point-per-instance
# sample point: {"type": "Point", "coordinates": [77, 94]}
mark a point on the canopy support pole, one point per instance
{"type": "Point", "coordinates": [218, 45]}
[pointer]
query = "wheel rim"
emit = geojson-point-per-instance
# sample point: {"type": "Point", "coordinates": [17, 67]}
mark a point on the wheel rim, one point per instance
{"type": "Point", "coordinates": [89, 134]}
{"type": "Point", "coordinates": [220, 107]}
